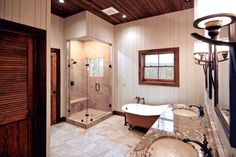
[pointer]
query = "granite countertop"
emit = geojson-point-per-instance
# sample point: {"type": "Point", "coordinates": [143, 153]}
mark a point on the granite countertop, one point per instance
{"type": "Point", "coordinates": [170, 124]}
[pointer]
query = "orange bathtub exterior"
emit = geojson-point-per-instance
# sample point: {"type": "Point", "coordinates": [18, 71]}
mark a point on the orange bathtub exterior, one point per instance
{"type": "Point", "coordinates": [141, 121]}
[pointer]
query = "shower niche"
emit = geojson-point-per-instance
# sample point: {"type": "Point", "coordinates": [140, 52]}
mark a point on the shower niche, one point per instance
{"type": "Point", "coordinates": [90, 82]}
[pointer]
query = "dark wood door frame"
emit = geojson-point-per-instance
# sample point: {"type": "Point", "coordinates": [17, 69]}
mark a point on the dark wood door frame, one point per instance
{"type": "Point", "coordinates": [58, 105]}
{"type": "Point", "coordinates": [39, 87]}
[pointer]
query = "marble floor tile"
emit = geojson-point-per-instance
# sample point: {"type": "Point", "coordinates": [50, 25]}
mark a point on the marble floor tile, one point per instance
{"type": "Point", "coordinates": [109, 138]}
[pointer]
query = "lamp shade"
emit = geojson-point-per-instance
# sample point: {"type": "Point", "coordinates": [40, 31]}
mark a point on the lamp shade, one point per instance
{"type": "Point", "coordinates": [222, 11]}
{"type": "Point", "coordinates": [201, 51]}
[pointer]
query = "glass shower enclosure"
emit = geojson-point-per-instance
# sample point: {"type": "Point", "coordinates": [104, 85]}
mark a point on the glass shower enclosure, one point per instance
{"type": "Point", "coordinates": [90, 83]}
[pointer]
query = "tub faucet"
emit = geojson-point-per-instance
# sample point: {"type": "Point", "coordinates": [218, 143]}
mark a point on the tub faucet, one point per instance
{"type": "Point", "coordinates": [138, 99]}
{"type": "Point", "coordinates": [143, 100]}
{"type": "Point", "coordinates": [204, 145]}
{"type": "Point", "coordinates": [200, 108]}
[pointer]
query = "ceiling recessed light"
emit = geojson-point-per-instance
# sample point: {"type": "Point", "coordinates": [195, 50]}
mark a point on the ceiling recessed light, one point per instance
{"type": "Point", "coordinates": [110, 11]}
{"type": "Point", "coordinates": [187, 0]}
{"type": "Point", "coordinates": [124, 16]}
{"type": "Point", "coordinates": [61, 1]}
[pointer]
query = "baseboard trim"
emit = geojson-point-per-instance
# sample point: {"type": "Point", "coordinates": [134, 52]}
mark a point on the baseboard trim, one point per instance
{"type": "Point", "coordinates": [119, 113]}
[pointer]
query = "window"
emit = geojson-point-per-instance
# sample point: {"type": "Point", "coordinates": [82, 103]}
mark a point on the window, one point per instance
{"type": "Point", "coordinates": [159, 67]}
{"type": "Point", "coordinates": [96, 67]}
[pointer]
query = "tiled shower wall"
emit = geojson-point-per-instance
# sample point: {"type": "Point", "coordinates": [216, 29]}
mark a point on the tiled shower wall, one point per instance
{"type": "Point", "coordinates": [80, 50]}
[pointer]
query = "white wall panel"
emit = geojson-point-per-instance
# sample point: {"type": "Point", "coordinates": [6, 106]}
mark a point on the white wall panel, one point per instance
{"type": "Point", "coordinates": [57, 41]}
{"type": "Point", "coordinates": [28, 12]}
{"type": "Point", "coordinates": [38, 14]}
{"type": "Point", "coordinates": [16, 11]}
{"type": "Point", "coordinates": [168, 30]}
{"type": "Point", "coordinates": [2, 8]}
{"type": "Point", "coordinates": [75, 26]}
{"type": "Point", "coordinates": [98, 28]}
{"type": "Point", "coordinates": [8, 12]}
{"type": "Point", "coordinates": [27, 15]}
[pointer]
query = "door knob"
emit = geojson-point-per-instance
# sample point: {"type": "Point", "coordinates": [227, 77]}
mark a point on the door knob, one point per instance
{"type": "Point", "coordinates": [54, 92]}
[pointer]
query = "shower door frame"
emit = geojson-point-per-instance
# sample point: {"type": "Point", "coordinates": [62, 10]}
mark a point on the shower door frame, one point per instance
{"type": "Point", "coordinates": [112, 63]}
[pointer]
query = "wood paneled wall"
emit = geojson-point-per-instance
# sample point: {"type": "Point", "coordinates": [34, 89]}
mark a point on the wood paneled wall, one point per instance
{"type": "Point", "coordinates": [29, 12]}
{"type": "Point", "coordinates": [168, 30]}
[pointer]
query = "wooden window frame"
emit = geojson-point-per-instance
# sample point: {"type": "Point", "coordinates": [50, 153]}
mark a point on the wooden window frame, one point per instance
{"type": "Point", "coordinates": [161, 82]}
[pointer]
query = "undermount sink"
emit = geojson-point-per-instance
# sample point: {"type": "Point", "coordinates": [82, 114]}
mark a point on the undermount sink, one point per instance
{"type": "Point", "coordinates": [172, 147]}
{"type": "Point", "coordinates": [185, 112]}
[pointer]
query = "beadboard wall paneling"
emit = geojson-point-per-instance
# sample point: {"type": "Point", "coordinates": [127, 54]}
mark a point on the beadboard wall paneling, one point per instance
{"type": "Point", "coordinates": [168, 30]}
{"type": "Point", "coordinates": [75, 26]}
{"type": "Point", "coordinates": [29, 12]}
{"type": "Point", "coordinates": [87, 24]}
{"type": "Point", "coordinates": [98, 28]}
{"type": "Point", "coordinates": [57, 41]}
{"type": "Point", "coordinates": [57, 32]}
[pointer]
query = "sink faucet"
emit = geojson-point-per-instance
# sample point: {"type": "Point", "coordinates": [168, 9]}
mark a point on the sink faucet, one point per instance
{"type": "Point", "coordinates": [143, 100]}
{"type": "Point", "coordinates": [138, 99]}
{"type": "Point", "coordinates": [204, 145]}
{"type": "Point", "coordinates": [200, 108]}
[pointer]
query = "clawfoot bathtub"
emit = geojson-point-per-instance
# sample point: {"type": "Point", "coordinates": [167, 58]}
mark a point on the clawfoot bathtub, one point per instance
{"type": "Point", "coordinates": [142, 115]}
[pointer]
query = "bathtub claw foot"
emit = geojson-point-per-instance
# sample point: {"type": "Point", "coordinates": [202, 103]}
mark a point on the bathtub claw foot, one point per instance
{"type": "Point", "coordinates": [131, 127]}
{"type": "Point", "coordinates": [125, 124]}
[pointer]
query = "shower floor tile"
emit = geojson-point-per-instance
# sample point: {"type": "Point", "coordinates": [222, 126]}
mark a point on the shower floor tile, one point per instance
{"type": "Point", "coordinates": [109, 138]}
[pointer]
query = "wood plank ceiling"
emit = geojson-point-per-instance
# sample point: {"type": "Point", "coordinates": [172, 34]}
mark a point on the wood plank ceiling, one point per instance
{"type": "Point", "coordinates": [133, 9]}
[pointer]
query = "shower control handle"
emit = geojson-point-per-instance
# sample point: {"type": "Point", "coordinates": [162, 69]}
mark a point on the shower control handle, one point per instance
{"type": "Point", "coordinates": [97, 87]}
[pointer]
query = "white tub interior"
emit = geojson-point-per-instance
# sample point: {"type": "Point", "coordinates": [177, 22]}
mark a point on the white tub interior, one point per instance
{"type": "Point", "coordinates": [144, 110]}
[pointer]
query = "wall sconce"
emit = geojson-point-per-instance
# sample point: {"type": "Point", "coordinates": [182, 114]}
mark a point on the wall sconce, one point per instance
{"type": "Point", "coordinates": [202, 57]}
{"type": "Point", "coordinates": [212, 15]}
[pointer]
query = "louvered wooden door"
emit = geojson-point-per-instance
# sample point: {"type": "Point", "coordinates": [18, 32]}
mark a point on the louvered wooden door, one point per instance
{"type": "Point", "coordinates": [16, 94]}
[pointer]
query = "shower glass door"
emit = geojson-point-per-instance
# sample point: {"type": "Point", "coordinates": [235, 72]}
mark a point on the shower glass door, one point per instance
{"type": "Point", "coordinates": [90, 81]}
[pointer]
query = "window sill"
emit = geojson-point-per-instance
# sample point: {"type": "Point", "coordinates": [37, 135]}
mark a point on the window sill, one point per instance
{"type": "Point", "coordinates": [159, 83]}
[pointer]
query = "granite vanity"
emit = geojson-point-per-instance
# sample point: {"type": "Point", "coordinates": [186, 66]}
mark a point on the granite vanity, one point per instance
{"type": "Point", "coordinates": [170, 124]}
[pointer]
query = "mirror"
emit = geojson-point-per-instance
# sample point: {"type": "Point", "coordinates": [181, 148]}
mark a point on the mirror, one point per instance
{"type": "Point", "coordinates": [225, 95]}
{"type": "Point", "coordinates": [223, 90]}
{"type": "Point", "coordinates": [221, 94]}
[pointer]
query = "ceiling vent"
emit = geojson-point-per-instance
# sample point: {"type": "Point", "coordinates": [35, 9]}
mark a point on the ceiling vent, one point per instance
{"type": "Point", "coordinates": [110, 11]}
